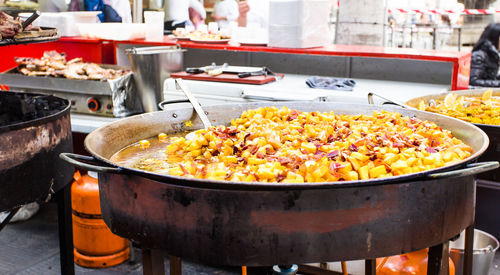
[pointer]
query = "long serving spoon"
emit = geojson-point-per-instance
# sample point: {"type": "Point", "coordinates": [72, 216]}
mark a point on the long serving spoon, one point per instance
{"type": "Point", "coordinates": [196, 106]}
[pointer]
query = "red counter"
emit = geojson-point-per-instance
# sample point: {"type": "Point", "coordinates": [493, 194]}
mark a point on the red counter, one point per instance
{"type": "Point", "coordinates": [103, 51]}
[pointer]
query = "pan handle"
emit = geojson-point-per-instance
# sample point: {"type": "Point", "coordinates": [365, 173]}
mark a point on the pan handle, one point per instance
{"type": "Point", "coordinates": [387, 101]}
{"type": "Point", "coordinates": [74, 159]}
{"type": "Point", "coordinates": [470, 169]}
{"type": "Point", "coordinates": [174, 101]}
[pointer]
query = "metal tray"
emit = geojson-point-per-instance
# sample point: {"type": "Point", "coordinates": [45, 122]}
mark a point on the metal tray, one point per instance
{"type": "Point", "coordinates": [14, 79]}
{"type": "Point", "coordinates": [30, 40]}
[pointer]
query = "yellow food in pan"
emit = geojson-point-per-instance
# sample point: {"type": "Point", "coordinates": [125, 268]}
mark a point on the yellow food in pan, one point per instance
{"type": "Point", "coordinates": [289, 146]}
{"type": "Point", "coordinates": [483, 110]}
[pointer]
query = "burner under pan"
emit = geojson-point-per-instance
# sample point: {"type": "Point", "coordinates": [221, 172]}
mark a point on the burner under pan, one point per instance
{"type": "Point", "coordinates": [16, 108]}
{"type": "Point", "coordinates": [34, 130]}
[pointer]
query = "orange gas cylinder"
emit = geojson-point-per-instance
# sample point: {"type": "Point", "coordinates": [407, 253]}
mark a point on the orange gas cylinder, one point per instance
{"type": "Point", "coordinates": [95, 245]}
{"type": "Point", "coordinates": [414, 263]}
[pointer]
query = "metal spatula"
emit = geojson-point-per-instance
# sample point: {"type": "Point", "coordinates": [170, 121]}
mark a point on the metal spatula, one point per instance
{"type": "Point", "coordinates": [30, 19]}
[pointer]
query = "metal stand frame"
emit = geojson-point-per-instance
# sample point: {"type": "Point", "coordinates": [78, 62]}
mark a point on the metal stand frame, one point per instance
{"type": "Point", "coordinates": [438, 257]}
{"type": "Point", "coordinates": [65, 224]}
{"type": "Point", "coordinates": [152, 260]}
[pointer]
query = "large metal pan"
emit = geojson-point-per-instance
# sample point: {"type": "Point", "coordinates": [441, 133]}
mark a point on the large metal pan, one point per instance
{"type": "Point", "coordinates": [493, 131]}
{"type": "Point", "coordinates": [235, 223]}
{"type": "Point", "coordinates": [30, 168]}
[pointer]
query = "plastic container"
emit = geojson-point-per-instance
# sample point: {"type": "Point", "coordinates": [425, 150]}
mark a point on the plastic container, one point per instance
{"type": "Point", "coordinates": [64, 22]}
{"type": "Point", "coordinates": [298, 23]}
{"type": "Point", "coordinates": [154, 25]}
{"type": "Point", "coordinates": [95, 245]}
{"type": "Point", "coordinates": [485, 246]}
{"type": "Point", "coordinates": [113, 31]}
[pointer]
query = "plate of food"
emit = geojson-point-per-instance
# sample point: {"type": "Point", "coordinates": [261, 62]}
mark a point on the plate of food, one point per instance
{"type": "Point", "coordinates": [211, 41]}
{"type": "Point", "coordinates": [182, 34]}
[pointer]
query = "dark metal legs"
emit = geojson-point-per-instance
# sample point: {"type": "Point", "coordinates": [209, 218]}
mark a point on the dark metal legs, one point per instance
{"type": "Point", "coordinates": [438, 259]}
{"type": "Point", "coordinates": [469, 245]}
{"type": "Point", "coordinates": [65, 224]}
{"type": "Point", "coordinates": [9, 217]}
{"type": "Point", "coordinates": [152, 262]}
{"type": "Point", "coordinates": [439, 255]}
{"type": "Point", "coordinates": [370, 267]}
{"type": "Point", "coordinates": [175, 265]}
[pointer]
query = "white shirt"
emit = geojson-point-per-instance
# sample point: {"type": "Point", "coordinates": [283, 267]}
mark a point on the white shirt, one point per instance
{"type": "Point", "coordinates": [258, 15]}
{"type": "Point", "coordinates": [178, 10]}
{"type": "Point", "coordinates": [228, 9]}
{"type": "Point", "coordinates": [122, 7]}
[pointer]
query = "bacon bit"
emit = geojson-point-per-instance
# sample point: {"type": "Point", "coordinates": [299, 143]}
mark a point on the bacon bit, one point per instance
{"type": "Point", "coordinates": [204, 171]}
{"type": "Point", "coordinates": [281, 177]}
{"type": "Point", "coordinates": [334, 166]}
{"type": "Point", "coordinates": [260, 155]}
{"type": "Point", "coordinates": [293, 115]}
{"type": "Point", "coordinates": [333, 154]}
{"type": "Point", "coordinates": [183, 169]}
{"type": "Point", "coordinates": [431, 150]}
{"type": "Point", "coordinates": [353, 148]}
{"type": "Point", "coordinates": [284, 160]}
{"type": "Point", "coordinates": [345, 154]}
{"type": "Point", "coordinates": [246, 136]}
{"type": "Point", "coordinates": [331, 138]}
{"type": "Point", "coordinates": [398, 145]}
{"type": "Point", "coordinates": [300, 130]}
{"type": "Point", "coordinates": [215, 153]}
{"type": "Point", "coordinates": [253, 149]}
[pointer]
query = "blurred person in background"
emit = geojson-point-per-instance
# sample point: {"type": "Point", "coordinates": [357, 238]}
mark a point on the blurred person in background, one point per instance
{"type": "Point", "coordinates": [253, 12]}
{"type": "Point", "coordinates": [52, 5]}
{"type": "Point", "coordinates": [112, 10]}
{"type": "Point", "coordinates": [444, 30]}
{"type": "Point", "coordinates": [485, 57]}
{"type": "Point", "coordinates": [179, 15]}
{"type": "Point", "coordinates": [225, 11]}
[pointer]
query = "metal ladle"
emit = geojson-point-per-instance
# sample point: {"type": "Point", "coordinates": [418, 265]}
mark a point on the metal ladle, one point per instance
{"type": "Point", "coordinates": [196, 106]}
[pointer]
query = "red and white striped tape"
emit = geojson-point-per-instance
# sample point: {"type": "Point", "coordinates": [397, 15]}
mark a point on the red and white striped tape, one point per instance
{"type": "Point", "coordinates": [442, 11]}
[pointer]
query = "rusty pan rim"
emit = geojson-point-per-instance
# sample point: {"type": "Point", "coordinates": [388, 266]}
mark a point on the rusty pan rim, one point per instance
{"type": "Point", "coordinates": [257, 186]}
{"type": "Point", "coordinates": [37, 121]}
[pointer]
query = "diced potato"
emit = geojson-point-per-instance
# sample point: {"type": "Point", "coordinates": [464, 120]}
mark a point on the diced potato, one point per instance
{"type": "Point", "coordinates": [378, 171]}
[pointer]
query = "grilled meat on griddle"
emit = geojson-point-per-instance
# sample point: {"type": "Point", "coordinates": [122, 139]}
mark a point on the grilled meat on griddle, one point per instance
{"type": "Point", "coordinates": [54, 64]}
{"type": "Point", "coordinates": [9, 26]}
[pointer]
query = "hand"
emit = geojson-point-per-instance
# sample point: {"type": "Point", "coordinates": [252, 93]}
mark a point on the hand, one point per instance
{"type": "Point", "coordinates": [243, 8]}
{"type": "Point", "coordinates": [217, 18]}
{"type": "Point", "coordinates": [7, 31]}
